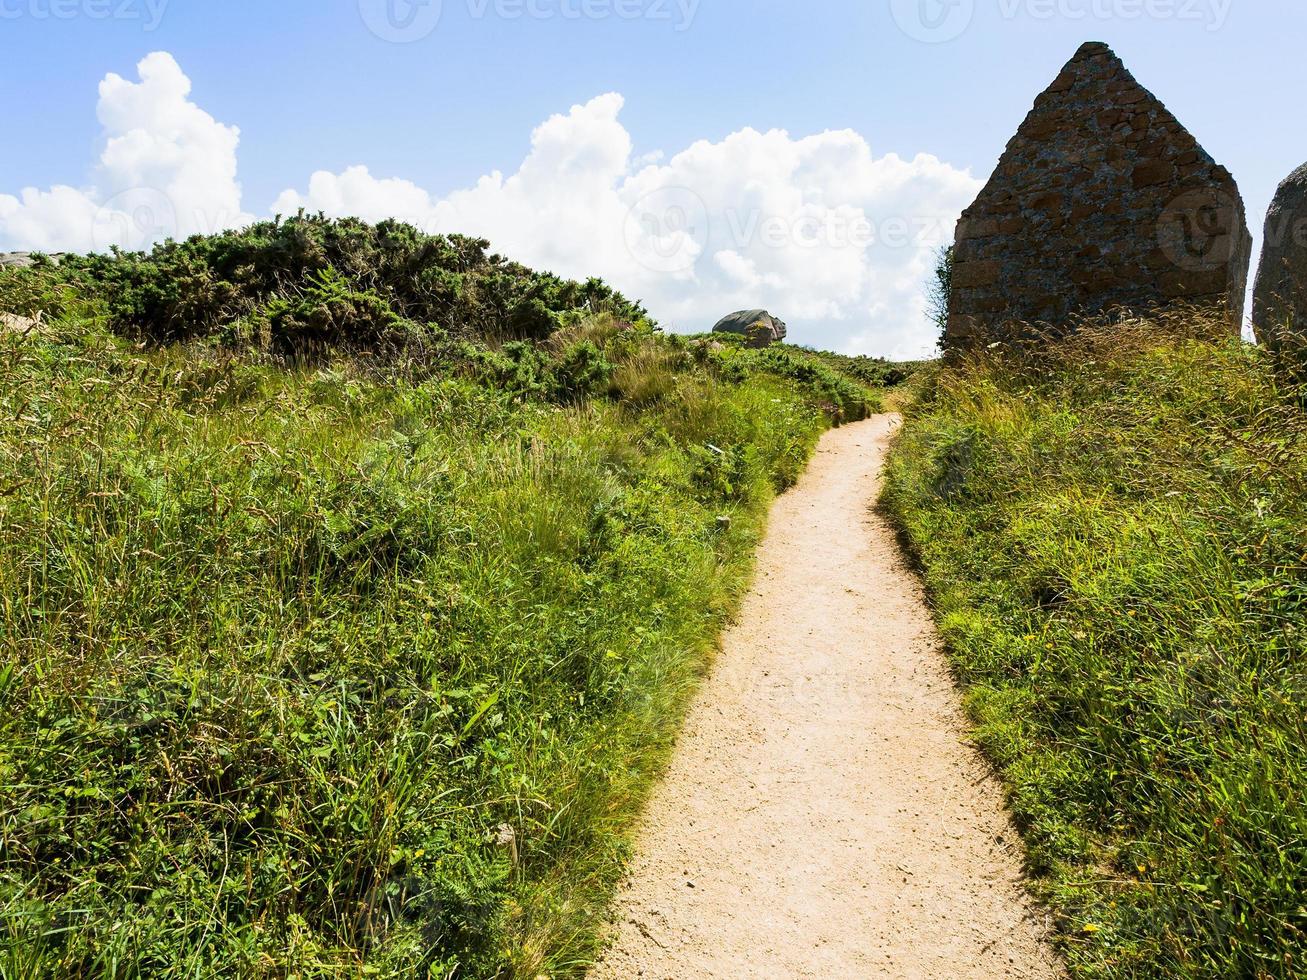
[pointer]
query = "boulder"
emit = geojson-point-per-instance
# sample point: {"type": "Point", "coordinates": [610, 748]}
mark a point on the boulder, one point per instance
{"type": "Point", "coordinates": [758, 327]}
{"type": "Point", "coordinates": [1102, 201]}
{"type": "Point", "coordinates": [23, 260]}
{"type": "Point", "coordinates": [1280, 299]}
{"type": "Point", "coordinates": [13, 323]}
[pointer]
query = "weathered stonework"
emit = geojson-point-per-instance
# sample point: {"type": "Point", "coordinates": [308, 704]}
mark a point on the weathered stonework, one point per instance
{"type": "Point", "coordinates": [1101, 201]}
{"type": "Point", "coordinates": [1280, 300]}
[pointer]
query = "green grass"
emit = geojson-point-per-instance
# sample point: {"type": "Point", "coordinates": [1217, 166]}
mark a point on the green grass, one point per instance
{"type": "Point", "coordinates": [1114, 533]}
{"type": "Point", "coordinates": [873, 371]}
{"type": "Point", "coordinates": [351, 667]}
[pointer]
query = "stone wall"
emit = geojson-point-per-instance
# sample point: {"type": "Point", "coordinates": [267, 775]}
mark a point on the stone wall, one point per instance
{"type": "Point", "coordinates": [1280, 301]}
{"type": "Point", "coordinates": [1101, 200]}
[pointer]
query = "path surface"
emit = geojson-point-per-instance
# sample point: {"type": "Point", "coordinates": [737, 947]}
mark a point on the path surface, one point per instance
{"type": "Point", "coordinates": [824, 815]}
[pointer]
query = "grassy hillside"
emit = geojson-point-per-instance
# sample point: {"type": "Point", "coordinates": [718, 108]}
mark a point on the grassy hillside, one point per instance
{"type": "Point", "coordinates": [1115, 535]}
{"type": "Point", "coordinates": [344, 638]}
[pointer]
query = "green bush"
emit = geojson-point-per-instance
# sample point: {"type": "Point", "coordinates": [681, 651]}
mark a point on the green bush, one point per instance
{"type": "Point", "coordinates": [310, 282]}
{"type": "Point", "coordinates": [1112, 530]}
{"type": "Point", "coordinates": [582, 372]}
{"type": "Point", "coordinates": [939, 289]}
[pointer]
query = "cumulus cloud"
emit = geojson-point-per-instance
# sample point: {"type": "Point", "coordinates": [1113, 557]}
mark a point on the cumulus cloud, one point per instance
{"type": "Point", "coordinates": [167, 169]}
{"type": "Point", "coordinates": [818, 229]}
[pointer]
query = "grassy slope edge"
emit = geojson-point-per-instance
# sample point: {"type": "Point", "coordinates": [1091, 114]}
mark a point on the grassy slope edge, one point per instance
{"type": "Point", "coordinates": [1114, 535]}
{"type": "Point", "coordinates": [345, 668]}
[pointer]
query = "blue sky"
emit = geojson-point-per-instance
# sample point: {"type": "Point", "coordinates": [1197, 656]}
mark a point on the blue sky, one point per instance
{"type": "Point", "coordinates": [312, 88]}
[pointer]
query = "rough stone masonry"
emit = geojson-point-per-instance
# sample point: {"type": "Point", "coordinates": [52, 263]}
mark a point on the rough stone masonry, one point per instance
{"type": "Point", "coordinates": [1280, 300]}
{"type": "Point", "coordinates": [1101, 201]}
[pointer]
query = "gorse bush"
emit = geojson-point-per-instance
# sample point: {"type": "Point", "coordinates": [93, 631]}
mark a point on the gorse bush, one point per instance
{"type": "Point", "coordinates": [307, 283]}
{"type": "Point", "coordinates": [354, 666]}
{"type": "Point", "coordinates": [1114, 530]}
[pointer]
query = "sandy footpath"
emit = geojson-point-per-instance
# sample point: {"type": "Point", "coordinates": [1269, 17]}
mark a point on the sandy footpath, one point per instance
{"type": "Point", "coordinates": [824, 815]}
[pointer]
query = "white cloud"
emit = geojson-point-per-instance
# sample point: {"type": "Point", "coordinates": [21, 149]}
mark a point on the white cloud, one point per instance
{"type": "Point", "coordinates": [167, 169]}
{"type": "Point", "coordinates": [830, 237]}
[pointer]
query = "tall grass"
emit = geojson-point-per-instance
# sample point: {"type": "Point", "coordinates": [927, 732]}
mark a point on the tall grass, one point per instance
{"type": "Point", "coordinates": [340, 670]}
{"type": "Point", "coordinates": [1114, 531]}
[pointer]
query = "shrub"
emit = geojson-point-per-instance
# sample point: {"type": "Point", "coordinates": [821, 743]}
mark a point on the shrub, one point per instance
{"type": "Point", "coordinates": [310, 280]}
{"type": "Point", "coordinates": [581, 372]}
{"type": "Point", "coordinates": [939, 289]}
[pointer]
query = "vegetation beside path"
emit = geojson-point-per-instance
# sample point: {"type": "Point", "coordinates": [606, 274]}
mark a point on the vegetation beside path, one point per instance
{"type": "Point", "coordinates": [344, 616]}
{"type": "Point", "coordinates": [1114, 534]}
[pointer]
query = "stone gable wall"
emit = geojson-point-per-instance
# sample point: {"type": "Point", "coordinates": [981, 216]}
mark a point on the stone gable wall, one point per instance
{"type": "Point", "coordinates": [1101, 200]}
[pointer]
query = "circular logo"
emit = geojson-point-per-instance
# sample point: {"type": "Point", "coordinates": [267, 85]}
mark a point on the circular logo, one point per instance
{"type": "Point", "coordinates": [1198, 230]}
{"type": "Point", "coordinates": [666, 230]}
{"type": "Point", "coordinates": [400, 21]}
{"type": "Point", "coordinates": [933, 21]}
{"type": "Point", "coordinates": [134, 220]}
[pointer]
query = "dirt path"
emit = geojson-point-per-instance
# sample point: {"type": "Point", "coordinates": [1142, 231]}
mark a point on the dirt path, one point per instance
{"type": "Point", "coordinates": [823, 815]}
